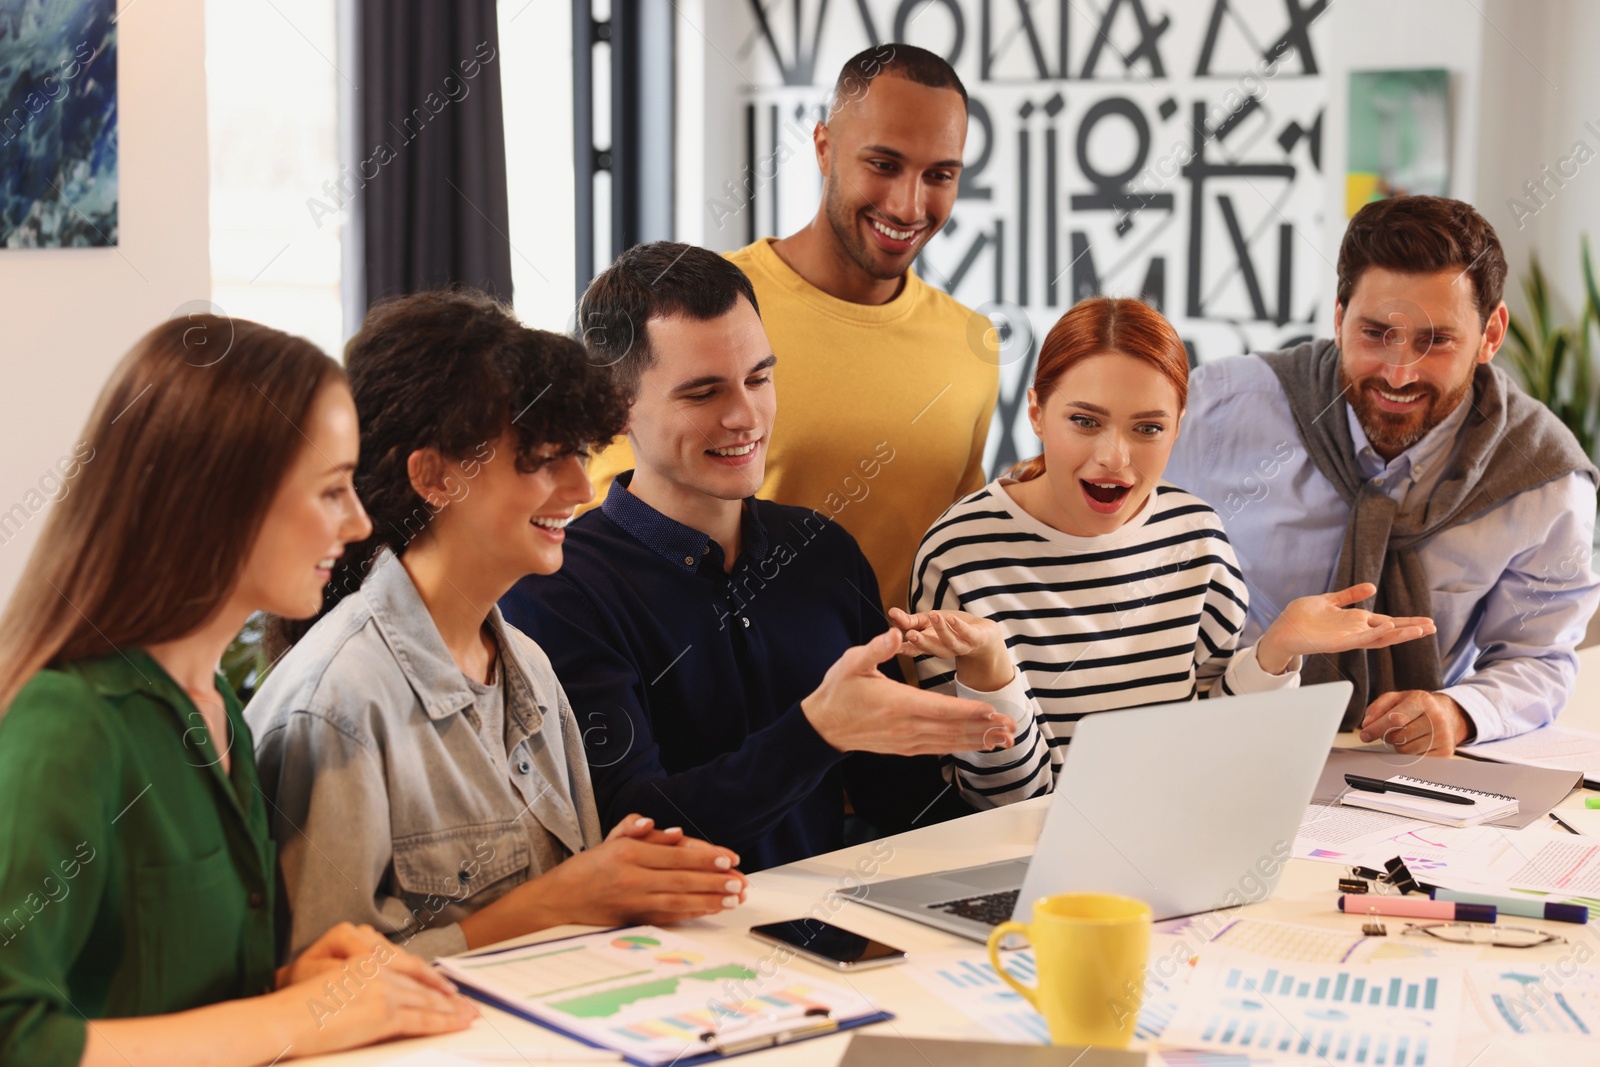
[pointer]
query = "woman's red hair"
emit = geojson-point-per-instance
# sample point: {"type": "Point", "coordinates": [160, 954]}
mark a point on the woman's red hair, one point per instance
{"type": "Point", "coordinates": [1098, 326]}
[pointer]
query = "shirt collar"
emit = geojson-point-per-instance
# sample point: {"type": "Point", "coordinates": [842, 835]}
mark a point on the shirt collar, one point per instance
{"type": "Point", "coordinates": [408, 630]}
{"type": "Point", "coordinates": [1420, 458]}
{"type": "Point", "coordinates": [131, 670]}
{"type": "Point", "coordinates": [682, 546]}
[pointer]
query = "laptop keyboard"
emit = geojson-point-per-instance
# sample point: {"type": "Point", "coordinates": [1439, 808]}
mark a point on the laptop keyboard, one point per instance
{"type": "Point", "coordinates": [991, 909]}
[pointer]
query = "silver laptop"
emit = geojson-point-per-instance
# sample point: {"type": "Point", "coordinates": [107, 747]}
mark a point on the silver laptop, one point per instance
{"type": "Point", "coordinates": [1188, 807]}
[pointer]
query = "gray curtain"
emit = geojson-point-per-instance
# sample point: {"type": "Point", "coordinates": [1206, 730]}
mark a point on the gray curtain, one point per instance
{"type": "Point", "coordinates": [432, 155]}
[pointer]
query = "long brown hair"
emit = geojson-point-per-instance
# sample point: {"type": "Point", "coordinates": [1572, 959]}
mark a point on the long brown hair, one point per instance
{"type": "Point", "coordinates": [186, 448]}
{"type": "Point", "coordinates": [1099, 325]}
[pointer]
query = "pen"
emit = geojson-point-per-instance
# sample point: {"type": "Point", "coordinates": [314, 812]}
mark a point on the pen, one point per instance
{"type": "Point", "coordinates": [540, 1055]}
{"type": "Point", "coordinates": [1530, 908]}
{"type": "Point", "coordinates": [1564, 824]}
{"type": "Point", "coordinates": [1378, 785]}
{"type": "Point", "coordinates": [808, 1023]}
{"type": "Point", "coordinates": [1412, 908]}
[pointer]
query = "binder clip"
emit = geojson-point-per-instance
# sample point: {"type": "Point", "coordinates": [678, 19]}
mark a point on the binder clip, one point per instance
{"type": "Point", "coordinates": [1399, 875]}
{"type": "Point", "coordinates": [1373, 928]}
{"type": "Point", "coordinates": [1354, 886]}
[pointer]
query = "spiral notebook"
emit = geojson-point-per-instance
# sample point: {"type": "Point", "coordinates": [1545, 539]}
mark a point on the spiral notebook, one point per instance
{"type": "Point", "coordinates": [1487, 807]}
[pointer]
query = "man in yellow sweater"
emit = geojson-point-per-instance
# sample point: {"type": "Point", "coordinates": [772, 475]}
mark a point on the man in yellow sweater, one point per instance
{"type": "Point", "coordinates": [888, 384]}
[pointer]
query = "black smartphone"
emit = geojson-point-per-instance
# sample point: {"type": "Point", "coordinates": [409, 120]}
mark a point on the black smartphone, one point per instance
{"type": "Point", "coordinates": [827, 944]}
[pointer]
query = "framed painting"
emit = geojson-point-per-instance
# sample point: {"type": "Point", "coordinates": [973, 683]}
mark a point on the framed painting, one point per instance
{"type": "Point", "coordinates": [58, 123]}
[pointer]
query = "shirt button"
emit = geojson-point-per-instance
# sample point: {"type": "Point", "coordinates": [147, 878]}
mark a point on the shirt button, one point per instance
{"type": "Point", "coordinates": [524, 767]}
{"type": "Point", "coordinates": [745, 621]}
{"type": "Point", "coordinates": [464, 877]}
{"type": "Point", "coordinates": [688, 561]}
{"type": "Point", "coordinates": [1377, 481]}
{"type": "Point", "coordinates": [706, 551]}
{"type": "Point", "coordinates": [256, 898]}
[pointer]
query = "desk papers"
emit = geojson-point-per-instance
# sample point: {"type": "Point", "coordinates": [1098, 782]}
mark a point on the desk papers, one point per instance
{"type": "Point", "coordinates": [1550, 746]}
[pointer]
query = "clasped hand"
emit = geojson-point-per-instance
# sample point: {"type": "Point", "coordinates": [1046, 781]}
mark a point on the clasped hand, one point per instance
{"type": "Point", "coordinates": [641, 874]}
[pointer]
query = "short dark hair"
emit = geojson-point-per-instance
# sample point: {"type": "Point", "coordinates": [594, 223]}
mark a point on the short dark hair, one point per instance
{"type": "Point", "coordinates": [1424, 234]}
{"type": "Point", "coordinates": [655, 280]}
{"type": "Point", "coordinates": [901, 60]}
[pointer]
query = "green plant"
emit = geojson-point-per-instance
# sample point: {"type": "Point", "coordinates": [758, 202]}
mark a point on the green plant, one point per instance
{"type": "Point", "coordinates": [1555, 360]}
{"type": "Point", "coordinates": [245, 664]}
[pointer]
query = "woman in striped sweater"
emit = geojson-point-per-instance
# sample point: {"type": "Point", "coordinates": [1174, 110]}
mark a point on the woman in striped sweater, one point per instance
{"type": "Point", "coordinates": [1081, 582]}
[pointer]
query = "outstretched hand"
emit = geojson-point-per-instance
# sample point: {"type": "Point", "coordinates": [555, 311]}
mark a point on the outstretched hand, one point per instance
{"type": "Point", "coordinates": [858, 709]}
{"type": "Point", "coordinates": [1324, 624]}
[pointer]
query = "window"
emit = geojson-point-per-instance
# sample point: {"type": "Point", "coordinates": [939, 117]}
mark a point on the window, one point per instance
{"type": "Point", "coordinates": [272, 90]}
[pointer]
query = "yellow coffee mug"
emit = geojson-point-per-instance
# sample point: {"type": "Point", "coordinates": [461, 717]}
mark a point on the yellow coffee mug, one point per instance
{"type": "Point", "coordinates": [1091, 950]}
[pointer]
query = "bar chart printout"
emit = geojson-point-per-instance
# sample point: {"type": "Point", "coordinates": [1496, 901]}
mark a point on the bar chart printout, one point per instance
{"type": "Point", "coordinates": [1387, 1017]}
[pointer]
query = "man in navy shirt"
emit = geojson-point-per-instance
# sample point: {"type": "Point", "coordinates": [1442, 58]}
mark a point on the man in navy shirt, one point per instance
{"type": "Point", "coordinates": [726, 656]}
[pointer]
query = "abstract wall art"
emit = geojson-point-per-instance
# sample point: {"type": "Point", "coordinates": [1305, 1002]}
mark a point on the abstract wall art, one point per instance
{"type": "Point", "coordinates": [58, 123]}
{"type": "Point", "coordinates": [1399, 135]}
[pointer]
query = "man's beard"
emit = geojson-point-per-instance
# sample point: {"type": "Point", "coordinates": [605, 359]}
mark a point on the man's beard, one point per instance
{"type": "Point", "coordinates": [844, 222]}
{"type": "Point", "coordinates": [1397, 431]}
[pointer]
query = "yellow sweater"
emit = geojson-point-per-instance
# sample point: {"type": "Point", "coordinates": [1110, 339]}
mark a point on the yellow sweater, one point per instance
{"type": "Point", "coordinates": [883, 410]}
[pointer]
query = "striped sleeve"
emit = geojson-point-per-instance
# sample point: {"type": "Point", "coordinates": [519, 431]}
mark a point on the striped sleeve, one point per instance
{"type": "Point", "coordinates": [990, 778]}
{"type": "Point", "coordinates": [1221, 667]}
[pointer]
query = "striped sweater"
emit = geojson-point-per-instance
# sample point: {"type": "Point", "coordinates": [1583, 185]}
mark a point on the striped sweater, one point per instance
{"type": "Point", "coordinates": [1148, 614]}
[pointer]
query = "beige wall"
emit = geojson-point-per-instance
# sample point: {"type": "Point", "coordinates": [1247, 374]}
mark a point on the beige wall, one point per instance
{"type": "Point", "coordinates": [1542, 100]}
{"type": "Point", "coordinates": [70, 314]}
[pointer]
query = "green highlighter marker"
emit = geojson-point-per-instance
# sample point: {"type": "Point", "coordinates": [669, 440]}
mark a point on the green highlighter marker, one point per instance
{"type": "Point", "coordinates": [1591, 802]}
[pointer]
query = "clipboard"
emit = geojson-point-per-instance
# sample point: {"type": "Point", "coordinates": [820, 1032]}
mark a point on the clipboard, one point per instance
{"type": "Point", "coordinates": [605, 984]}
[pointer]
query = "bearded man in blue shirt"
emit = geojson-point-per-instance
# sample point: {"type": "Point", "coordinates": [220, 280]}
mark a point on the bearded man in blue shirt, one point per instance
{"type": "Point", "coordinates": [1397, 453]}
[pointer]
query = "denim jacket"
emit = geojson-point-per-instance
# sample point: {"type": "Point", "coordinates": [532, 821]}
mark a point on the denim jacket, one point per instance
{"type": "Point", "coordinates": [387, 805]}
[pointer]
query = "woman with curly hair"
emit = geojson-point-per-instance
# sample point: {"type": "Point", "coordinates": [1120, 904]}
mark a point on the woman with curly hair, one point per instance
{"type": "Point", "coordinates": [425, 771]}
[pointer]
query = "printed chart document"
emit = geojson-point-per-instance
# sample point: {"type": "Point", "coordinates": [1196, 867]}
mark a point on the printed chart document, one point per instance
{"type": "Point", "coordinates": [1519, 998]}
{"type": "Point", "coordinates": [1320, 1013]}
{"type": "Point", "coordinates": [657, 997]}
{"type": "Point", "coordinates": [965, 981]}
{"type": "Point", "coordinates": [1335, 833]}
{"type": "Point", "coordinates": [1545, 861]}
{"type": "Point", "coordinates": [1552, 746]}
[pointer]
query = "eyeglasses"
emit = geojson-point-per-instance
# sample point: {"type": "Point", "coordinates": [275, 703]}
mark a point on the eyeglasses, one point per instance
{"type": "Point", "coordinates": [1485, 934]}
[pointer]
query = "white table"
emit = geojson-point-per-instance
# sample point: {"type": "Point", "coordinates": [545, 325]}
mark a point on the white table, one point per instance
{"type": "Point", "coordinates": [1305, 895]}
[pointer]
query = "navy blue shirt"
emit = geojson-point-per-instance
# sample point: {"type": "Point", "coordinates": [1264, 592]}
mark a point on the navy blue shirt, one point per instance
{"type": "Point", "coordinates": [687, 679]}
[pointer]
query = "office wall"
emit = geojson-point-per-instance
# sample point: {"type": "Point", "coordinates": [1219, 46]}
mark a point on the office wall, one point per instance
{"type": "Point", "coordinates": [1400, 35]}
{"type": "Point", "coordinates": [1526, 100]}
{"type": "Point", "coordinates": [1525, 93]}
{"type": "Point", "coordinates": [70, 314]}
{"type": "Point", "coordinates": [1142, 148]}
{"type": "Point", "coordinates": [1541, 125]}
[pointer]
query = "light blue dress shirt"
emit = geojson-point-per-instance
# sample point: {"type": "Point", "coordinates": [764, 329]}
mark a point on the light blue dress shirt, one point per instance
{"type": "Point", "coordinates": [1513, 589]}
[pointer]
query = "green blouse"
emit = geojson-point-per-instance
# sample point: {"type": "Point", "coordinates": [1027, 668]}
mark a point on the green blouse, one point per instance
{"type": "Point", "coordinates": [135, 877]}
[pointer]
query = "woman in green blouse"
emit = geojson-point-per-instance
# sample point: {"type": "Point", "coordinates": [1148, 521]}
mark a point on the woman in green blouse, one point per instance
{"type": "Point", "coordinates": [137, 875]}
